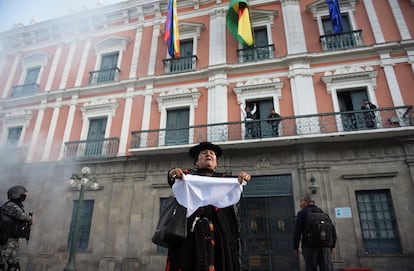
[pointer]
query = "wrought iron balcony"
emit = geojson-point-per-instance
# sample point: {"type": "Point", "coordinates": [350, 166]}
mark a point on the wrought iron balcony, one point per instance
{"type": "Point", "coordinates": [182, 64]}
{"type": "Point", "coordinates": [255, 53]}
{"type": "Point", "coordinates": [341, 41]}
{"type": "Point", "coordinates": [107, 147]}
{"type": "Point", "coordinates": [104, 76]}
{"type": "Point", "coordinates": [294, 127]}
{"type": "Point", "coordinates": [24, 90]}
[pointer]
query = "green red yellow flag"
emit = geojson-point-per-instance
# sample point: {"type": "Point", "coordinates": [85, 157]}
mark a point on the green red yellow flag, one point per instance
{"type": "Point", "coordinates": [238, 22]}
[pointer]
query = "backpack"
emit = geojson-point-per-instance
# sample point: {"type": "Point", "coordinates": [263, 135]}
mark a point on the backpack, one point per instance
{"type": "Point", "coordinates": [318, 229]}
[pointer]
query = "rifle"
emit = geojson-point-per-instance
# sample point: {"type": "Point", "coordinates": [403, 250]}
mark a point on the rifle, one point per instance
{"type": "Point", "coordinates": [25, 232]}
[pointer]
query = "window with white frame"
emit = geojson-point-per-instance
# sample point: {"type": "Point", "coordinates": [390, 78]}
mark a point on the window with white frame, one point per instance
{"type": "Point", "coordinates": [14, 128]}
{"type": "Point", "coordinates": [350, 35]}
{"type": "Point", "coordinates": [177, 106]}
{"type": "Point", "coordinates": [109, 54]}
{"type": "Point", "coordinates": [99, 108]}
{"type": "Point", "coordinates": [328, 28]}
{"type": "Point", "coordinates": [378, 222]}
{"type": "Point", "coordinates": [177, 129]}
{"type": "Point", "coordinates": [263, 48]}
{"type": "Point", "coordinates": [187, 59]}
{"type": "Point", "coordinates": [266, 93]}
{"type": "Point", "coordinates": [189, 36]}
{"type": "Point", "coordinates": [95, 137]}
{"type": "Point", "coordinates": [348, 87]}
{"type": "Point", "coordinates": [258, 89]}
{"type": "Point", "coordinates": [13, 137]}
{"type": "Point", "coordinates": [32, 66]}
{"type": "Point", "coordinates": [15, 125]}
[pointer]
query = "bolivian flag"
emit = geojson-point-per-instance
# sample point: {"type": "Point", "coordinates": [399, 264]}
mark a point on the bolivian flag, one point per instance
{"type": "Point", "coordinates": [238, 22]}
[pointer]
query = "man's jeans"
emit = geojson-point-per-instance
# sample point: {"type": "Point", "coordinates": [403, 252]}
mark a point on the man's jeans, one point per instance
{"type": "Point", "coordinates": [317, 256]}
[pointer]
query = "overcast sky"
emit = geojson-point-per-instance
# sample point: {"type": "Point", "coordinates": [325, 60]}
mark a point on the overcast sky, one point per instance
{"type": "Point", "coordinates": [12, 11]}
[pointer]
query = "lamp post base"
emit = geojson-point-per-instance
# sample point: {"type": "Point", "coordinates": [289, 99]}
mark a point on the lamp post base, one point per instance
{"type": "Point", "coordinates": [70, 267]}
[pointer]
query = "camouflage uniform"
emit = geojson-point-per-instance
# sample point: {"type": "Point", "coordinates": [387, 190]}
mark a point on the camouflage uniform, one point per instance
{"type": "Point", "coordinates": [13, 213]}
{"type": "Point", "coordinates": [10, 253]}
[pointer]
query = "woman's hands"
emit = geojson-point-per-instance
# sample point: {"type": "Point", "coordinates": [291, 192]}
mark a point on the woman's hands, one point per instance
{"type": "Point", "coordinates": [244, 177]}
{"type": "Point", "coordinates": [176, 173]}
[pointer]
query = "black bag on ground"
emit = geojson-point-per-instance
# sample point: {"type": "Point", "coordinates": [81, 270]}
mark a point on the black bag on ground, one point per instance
{"type": "Point", "coordinates": [318, 228]}
{"type": "Point", "coordinates": [172, 224]}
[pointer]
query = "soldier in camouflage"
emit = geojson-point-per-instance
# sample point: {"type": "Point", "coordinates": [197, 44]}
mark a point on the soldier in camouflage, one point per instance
{"type": "Point", "coordinates": [14, 224]}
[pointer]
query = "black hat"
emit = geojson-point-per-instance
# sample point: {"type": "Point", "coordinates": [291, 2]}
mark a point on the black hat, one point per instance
{"type": "Point", "coordinates": [195, 150]}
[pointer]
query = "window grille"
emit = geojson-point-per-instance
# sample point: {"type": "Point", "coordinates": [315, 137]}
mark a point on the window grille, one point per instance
{"type": "Point", "coordinates": [84, 223]}
{"type": "Point", "coordinates": [14, 136]}
{"type": "Point", "coordinates": [378, 222]}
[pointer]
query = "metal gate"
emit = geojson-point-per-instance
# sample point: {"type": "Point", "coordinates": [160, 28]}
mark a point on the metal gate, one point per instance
{"type": "Point", "coordinates": [267, 221]}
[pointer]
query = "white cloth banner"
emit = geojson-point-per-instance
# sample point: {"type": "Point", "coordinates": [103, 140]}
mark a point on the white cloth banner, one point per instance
{"type": "Point", "coordinates": [197, 191]}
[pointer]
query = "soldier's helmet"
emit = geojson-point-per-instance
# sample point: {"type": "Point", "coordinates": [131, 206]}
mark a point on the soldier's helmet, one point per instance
{"type": "Point", "coordinates": [16, 192]}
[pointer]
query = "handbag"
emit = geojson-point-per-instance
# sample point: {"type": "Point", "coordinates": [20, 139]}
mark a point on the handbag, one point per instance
{"type": "Point", "coordinates": [172, 224]}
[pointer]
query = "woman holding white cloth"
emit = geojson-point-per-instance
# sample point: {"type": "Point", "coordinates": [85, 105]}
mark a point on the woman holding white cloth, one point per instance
{"type": "Point", "coordinates": [213, 237]}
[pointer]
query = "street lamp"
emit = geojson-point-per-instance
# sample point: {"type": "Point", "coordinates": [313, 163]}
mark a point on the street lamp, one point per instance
{"type": "Point", "coordinates": [81, 182]}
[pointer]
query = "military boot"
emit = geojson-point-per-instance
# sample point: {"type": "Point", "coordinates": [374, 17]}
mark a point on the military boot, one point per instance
{"type": "Point", "coordinates": [13, 267]}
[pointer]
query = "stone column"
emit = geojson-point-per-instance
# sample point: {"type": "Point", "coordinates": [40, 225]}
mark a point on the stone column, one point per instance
{"type": "Point", "coordinates": [52, 129]}
{"type": "Point", "coordinates": [36, 132]}
{"type": "Point", "coordinates": [123, 141]}
{"type": "Point", "coordinates": [292, 21]}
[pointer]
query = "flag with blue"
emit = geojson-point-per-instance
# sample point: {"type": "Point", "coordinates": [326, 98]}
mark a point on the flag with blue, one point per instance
{"type": "Point", "coordinates": [171, 34]}
{"type": "Point", "coordinates": [335, 15]}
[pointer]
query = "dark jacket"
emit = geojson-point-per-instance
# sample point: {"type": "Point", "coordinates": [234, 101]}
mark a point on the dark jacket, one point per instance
{"type": "Point", "coordinates": [190, 254]}
{"type": "Point", "coordinates": [13, 219]}
{"type": "Point", "coordinates": [370, 105]}
{"type": "Point", "coordinates": [300, 226]}
{"type": "Point", "coordinates": [273, 119]}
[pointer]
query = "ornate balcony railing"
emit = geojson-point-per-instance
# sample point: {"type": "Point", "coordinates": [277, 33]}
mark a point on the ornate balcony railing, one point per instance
{"type": "Point", "coordinates": [24, 90]}
{"type": "Point", "coordinates": [104, 76]}
{"type": "Point", "coordinates": [290, 126]}
{"type": "Point", "coordinates": [341, 41]}
{"type": "Point", "coordinates": [255, 53]}
{"type": "Point", "coordinates": [182, 64]}
{"type": "Point", "coordinates": [107, 147]}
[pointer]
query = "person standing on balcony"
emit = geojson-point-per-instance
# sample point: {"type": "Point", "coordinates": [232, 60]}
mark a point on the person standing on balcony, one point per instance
{"type": "Point", "coordinates": [213, 233]}
{"type": "Point", "coordinates": [249, 115]}
{"type": "Point", "coordinates": [274, 120]}
{"type": "Point", "coordinates": [369, 116]}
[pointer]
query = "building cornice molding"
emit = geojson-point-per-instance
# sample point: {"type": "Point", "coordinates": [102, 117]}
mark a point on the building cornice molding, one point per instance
{"type": "Point", "coordinates": [349, 73]}
{"type": "Point", "coordinates": [320, 7]}
{"type": "Point", "coordinates": [180, 95]}
{"type": "Point", "coordinates": [35, 59]}
{"type": "Point", "coordinates": [99, 107]}
{"type": "Point", "coordinates": [258, 83]}
{"type": "Point", "coordinates": [189, 27]}
{"type": "Point", "coordinates": [112, 42]}
{"type": "Point", "coordinates": [373, 175]}
{"type": "Point", "coordinates": [18, 118]}
{"type": "Point", "coordinates": [258, 87]}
